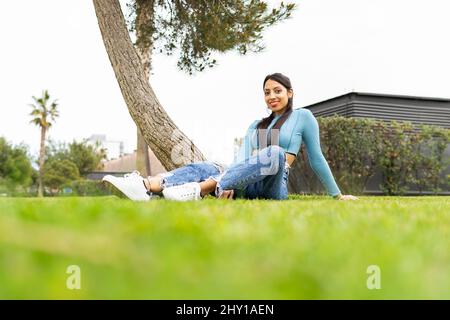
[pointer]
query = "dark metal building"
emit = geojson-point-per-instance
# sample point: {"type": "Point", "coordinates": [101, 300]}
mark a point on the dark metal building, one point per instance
{"type": "Point", "coordinates": [418, 110]}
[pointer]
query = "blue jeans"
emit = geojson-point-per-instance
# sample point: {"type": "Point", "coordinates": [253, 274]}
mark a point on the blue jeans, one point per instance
{"type": "Point", "coordinates": [193, 172]}
{"type": "Point", "coordinates": [263, 176]}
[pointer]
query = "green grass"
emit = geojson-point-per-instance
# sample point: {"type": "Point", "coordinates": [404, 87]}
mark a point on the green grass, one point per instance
{"type": "Point", "coordinates": [303, 248]}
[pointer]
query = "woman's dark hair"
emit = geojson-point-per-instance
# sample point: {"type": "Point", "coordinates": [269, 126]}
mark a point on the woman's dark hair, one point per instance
{"type": "Point", "coordinates": [264, 138]}
{"type": "Point", "coordinates": [283, 80]}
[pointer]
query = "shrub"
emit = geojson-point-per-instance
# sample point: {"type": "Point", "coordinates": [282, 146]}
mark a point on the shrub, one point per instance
{"type": "Point", "coordinates": [84, 187]}
{"type": "Point", "coordinates": [15, 166]}
{"type": "Point", "coordinates": [356, 149]}
{"type": "Point", "coordinates": [58, 173]}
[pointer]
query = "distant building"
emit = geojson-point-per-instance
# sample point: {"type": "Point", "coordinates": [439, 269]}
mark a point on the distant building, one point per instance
{"type": "Point", "coordinates": [387, 107]}
{"type": "Point", "coordinates": [114, 148]}
{"type": "Point", "coordinates": [125, 164]}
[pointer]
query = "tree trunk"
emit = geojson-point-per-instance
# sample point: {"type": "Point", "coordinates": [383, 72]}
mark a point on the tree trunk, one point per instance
{"type": "Point", "coordinates": [142, 155]}
{"type": "Point", "coordinates": [144, 48]}
{"type": "Point", "coordinates": [171, 146]}
{"type": "Point", "coordinates": [144, 45]}
{"type": "Point", "coordinates": [41, 162]}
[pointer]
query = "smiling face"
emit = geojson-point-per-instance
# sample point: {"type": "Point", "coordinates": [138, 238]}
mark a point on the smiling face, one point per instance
{"type": "Point", "coordinates": [276, 96]}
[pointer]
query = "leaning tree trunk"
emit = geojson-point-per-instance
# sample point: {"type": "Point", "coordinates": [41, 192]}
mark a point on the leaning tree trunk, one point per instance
{"type": "Point", "coordinates": [142, 155]}
{"type": "Point", "coordinates": [171, 146]}
{"type": "Point", "coordinates": [41, 163]}
{"type": "Point", "coordinates": [144, 20]}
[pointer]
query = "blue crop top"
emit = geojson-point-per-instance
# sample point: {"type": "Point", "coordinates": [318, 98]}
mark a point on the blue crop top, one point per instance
{"type": "Point", "coordinates": [300, 126]}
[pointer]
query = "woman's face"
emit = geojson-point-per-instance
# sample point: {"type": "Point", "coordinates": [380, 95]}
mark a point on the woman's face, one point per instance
{"type": "Point", "coordinates": [276, 96]}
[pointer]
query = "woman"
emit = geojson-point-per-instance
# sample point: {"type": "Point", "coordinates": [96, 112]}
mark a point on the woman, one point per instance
{"type": "Point", "coordinates": [261, 169]}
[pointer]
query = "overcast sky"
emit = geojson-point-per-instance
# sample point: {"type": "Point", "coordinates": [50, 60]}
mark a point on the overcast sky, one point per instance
{"type": "Point", "coordinates": [327, 48]}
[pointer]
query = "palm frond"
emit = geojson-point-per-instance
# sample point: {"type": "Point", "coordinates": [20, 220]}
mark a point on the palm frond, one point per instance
{"type": "Point", "coordinates": [43, 114]}
{"type": "Point", "coordinates": [36, 121]}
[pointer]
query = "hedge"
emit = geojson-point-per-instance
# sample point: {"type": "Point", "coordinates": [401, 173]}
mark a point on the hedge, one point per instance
{"type": "Point", "coordinates": [407, 156]}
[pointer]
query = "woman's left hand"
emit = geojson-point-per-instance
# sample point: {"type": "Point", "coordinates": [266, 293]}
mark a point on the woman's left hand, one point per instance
{"type": "Point", "coordinates": [346, 197]}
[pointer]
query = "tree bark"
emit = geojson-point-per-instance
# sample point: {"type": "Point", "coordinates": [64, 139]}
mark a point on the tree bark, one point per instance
{"type": "Point", "coordinates": [144, 46]}
{"type": "Point", "coordinates": [144, 50]}
{"type": "Point", "coordinates": [41, 162]}
{"type": "Point", "coordinates": [171, 146]}
{"type": "Point", "coordinates": [142, 155]}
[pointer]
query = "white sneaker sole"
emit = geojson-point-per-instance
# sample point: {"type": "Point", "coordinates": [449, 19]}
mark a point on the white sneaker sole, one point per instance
{"type": "Point", "coordinates": [110, 181]}
{"type": "Point", "coordinates": [175, 196]}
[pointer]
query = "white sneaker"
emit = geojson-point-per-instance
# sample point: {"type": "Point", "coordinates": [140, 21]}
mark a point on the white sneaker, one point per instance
{"type": "Point", "coordinates": [184, 192]}
{"type": "Point", "coordinates": [131, 185]}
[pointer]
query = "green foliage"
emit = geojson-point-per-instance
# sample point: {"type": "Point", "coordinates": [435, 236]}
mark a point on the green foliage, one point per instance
{"type": "Point", "coordinates": [84, 187]}
{"type": "Point", "coordinates": [85, 156]}
{"type": "Point", "coordinates": [397, 154]}
{"type": "Point", "coordinates": [194, 29]}
{"type": "Point", "coordinates": [355, 149]}
{"type": "Point", "coordinates": [429, 161]}
{"type": "Point", "coordinates": [15, 166]}
{"type": "Point", "coordinates": [351, 148]}
{"type": "Point", "coordinates": [58, 173]}
{"type": "Point", "coordinates": [67, 165]}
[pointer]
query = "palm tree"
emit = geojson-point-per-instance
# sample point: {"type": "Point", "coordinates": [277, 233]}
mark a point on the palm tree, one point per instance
{"type": "Point", "coordinates": [43, 116]}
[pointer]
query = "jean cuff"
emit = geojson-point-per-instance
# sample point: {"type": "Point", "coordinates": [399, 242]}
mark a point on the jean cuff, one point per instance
{"type": "Point", "coordinates": [217, 179]}
{"type": "Point", "coordinates": [218, 192]}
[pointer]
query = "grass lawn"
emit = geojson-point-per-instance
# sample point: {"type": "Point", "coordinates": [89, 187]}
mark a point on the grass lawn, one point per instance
{"type": "Point", "coordinates": [303, 248]}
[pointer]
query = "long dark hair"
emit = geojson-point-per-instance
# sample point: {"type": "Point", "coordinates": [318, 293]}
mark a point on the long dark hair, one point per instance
{"type": "Point", "coordinates": [285, 82]}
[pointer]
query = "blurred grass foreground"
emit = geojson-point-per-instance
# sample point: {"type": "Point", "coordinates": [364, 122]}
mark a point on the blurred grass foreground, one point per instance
{"type": "Point", "coordinates": [303, 248]}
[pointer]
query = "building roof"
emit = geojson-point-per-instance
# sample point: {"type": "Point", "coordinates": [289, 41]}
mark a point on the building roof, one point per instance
{"type": "Point", "coordinates": [388, 107]}
{"type": "Point", "coordinates": [384, 95]}
{"type": "Point", "coordinates": [127, 163]}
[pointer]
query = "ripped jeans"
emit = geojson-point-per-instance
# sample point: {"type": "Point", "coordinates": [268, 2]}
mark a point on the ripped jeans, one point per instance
{"type": "Point", "coordinates": [263, 175]}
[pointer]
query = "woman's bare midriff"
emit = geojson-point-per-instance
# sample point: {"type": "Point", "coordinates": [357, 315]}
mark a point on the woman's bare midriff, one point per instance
{"type": "Point", "coordinates": [290, 158]}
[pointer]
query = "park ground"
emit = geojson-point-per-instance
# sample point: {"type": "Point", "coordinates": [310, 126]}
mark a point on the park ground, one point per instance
{"type": "Point", "coordinates": [308, 247]}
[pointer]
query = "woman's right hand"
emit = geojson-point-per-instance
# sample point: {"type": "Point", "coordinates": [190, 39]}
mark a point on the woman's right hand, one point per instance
{"type": "Point", "coordinates": [346, 197]}
{"type": "Point", "coordinates": [227, 194]}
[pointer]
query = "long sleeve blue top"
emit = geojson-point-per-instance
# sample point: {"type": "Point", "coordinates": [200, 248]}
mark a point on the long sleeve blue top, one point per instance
{"type": "Point", "coordinates": [300, 126]}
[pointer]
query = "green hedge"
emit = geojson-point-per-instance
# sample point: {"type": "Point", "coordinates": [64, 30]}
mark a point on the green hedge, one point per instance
{"type": "Point", "coordinates": [85, 187]}
{"type": "Point", "coordinates": [407, 156]}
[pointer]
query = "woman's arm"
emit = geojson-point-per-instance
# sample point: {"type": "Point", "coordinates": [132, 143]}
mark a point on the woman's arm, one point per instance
{"type": "Point", "coordinates": [317, 161]}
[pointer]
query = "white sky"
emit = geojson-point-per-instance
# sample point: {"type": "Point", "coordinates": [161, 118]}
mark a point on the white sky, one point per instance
{"type": "Point", "coordinates": [327, 48]}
